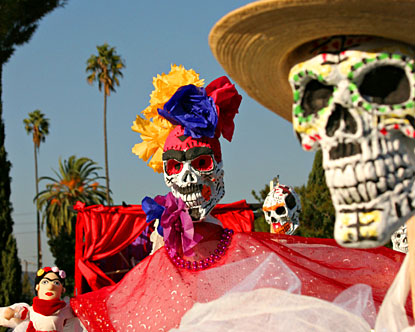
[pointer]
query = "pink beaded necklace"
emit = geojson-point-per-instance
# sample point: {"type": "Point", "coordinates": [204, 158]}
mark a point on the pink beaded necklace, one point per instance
{"type": "Point", "coordinates": [214, 257]}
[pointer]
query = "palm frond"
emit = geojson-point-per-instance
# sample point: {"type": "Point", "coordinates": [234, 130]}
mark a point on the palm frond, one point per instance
{"type": "Point", "coordinates": [76, 180]}
{"type": "Point", "coordinates": [104, 68]}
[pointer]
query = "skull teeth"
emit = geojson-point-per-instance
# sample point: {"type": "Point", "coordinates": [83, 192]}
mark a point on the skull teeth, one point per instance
{"type": "Point", "coordinates": [191, 195]}
{"type": "Point", "coordinates": [369, 190]}
{"type": "Point", "coordinates": [193, 188]}
{"type": "Point", "coordinates": [365, 181]}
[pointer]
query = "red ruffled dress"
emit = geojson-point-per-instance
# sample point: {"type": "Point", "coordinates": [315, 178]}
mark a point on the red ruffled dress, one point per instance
{"type": "Point", "coordinates": [156, 293]}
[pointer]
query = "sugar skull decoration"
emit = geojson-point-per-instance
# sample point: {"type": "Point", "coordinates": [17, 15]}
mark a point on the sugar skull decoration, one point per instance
{"type": "Point", "coordinates": [180, 134]}
{"type": "Point", "coordinates": [355, 99]}
{"type": "Point", "coordinates": [282, 208]}
{"type": "Point", "coordinates": [194, 172]}
{"type": "Point", "coordinates": [400, 240]}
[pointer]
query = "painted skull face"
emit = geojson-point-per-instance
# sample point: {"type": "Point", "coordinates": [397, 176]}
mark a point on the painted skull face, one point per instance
{"type": "Point", "coordinates": [355, 99]}
{"type": "Point", "coordinates": [195, 177]}
{"type": "Point", "coordinates": [282, 209]}
{"type": "Point", "coordinates": [400, 240]}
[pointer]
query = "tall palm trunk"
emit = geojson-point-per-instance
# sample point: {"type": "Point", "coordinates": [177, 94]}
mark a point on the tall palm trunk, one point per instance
{"type": "Point", "coordinates": [39, 240]}
{"type": "Point", "coordinates": [106, 150]}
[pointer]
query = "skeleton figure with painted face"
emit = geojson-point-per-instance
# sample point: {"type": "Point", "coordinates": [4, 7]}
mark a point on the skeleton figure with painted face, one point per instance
{"type": "Point", "coordinates": [193, 171]}
{"type": "Point", "coordinates": [282, 209]}
{"type": "Point", "coordinates": [355, 98]}
{"type": "Point", "coordinates": [183, 136]}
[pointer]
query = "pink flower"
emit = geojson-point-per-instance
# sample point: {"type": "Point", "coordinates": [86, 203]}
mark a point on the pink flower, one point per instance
{"type": "Point", "coordinates": [177, 225]}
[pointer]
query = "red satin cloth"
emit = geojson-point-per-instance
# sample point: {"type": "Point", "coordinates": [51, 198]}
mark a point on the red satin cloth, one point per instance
{"type": "Point", "coordinates": [155, 294]}
{"type": "Point", "coordinates": [102, 232]}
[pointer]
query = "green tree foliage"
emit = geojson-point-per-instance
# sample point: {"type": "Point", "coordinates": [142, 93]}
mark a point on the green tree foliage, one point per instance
{"type": "Point", "coordinates": [18, 22]}
{"type": "Point", "coordinates": [37, 125]}
{"type": "Point", "coordinates": [260, 225]}
{"type": "Point", "coordinates": [62, 248]}
{"type": "Point", "coordinates": [27, 288]}
{"type": "Point", "coordinates": [10, 284]}
{"type": "Point", "coordinates": [317, 216]}
{"type": "Point", "coordinates": [105, 68]}
{"type": "Point", "coordinates": [76, 180]}
{"type": "Point", "coordinates": [19, 19]}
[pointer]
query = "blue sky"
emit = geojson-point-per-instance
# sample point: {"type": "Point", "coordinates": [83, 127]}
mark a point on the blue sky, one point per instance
{"type": "Point", "coordinates": [48, 74]}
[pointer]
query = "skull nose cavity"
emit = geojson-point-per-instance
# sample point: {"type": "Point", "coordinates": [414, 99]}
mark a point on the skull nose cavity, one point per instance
{"type": "Point", "coordinates": [343, 150]}
{"type": "Point", "coordinates": [188, 177]}
{"type": "Point", "coordinates": [341, 119]}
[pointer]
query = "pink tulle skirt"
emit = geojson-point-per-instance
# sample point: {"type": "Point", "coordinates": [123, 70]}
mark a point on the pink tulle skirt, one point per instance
{"type": "Point", "coordinates": [156, 293]}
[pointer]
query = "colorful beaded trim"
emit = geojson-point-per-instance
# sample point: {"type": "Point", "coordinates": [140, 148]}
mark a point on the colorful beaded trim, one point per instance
{"type": "Point", "coordinates": [214, 257]}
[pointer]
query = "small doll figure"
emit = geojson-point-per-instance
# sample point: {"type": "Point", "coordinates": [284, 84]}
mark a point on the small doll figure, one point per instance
{"type": "Point", "coordinates": [48, 313]}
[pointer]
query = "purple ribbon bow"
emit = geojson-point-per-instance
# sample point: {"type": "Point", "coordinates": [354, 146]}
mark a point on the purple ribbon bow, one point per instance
{"type": "Point", "coordinates": [176, 222]}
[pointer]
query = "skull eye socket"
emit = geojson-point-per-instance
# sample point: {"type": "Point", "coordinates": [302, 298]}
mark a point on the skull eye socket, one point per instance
{"type": "Point", "coordinates": [387, 85]}
{"type": "Point", "coordinates": [316, 96]}
{"type": "Point", "coordinates": [280, 210]}
{"type": "Point", "coordinates": [290, 201]}
{"type": "Point", "coordinates": [203, 163]}
{"type": "Point", "coordinates": [172, 166]}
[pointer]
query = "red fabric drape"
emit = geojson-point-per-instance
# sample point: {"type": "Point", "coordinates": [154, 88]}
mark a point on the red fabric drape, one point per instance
{"type": "Point", "coordinates": [237, 216]}
{"type": "Point", "coordinates": [103, 231]}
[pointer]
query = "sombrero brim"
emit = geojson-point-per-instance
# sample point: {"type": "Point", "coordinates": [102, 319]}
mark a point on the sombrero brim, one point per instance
{"type": "Point", "coordinates": [259, 43]}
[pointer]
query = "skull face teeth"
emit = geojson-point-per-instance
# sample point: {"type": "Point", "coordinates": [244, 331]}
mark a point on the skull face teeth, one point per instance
{"type": "Point", "coordinates": [358, 104]}
{"type": "Point", "coordinates": [200, 190]}
{"type": "Point", "coordinates": [191, 195]}
{"type": "Point", "coordinates": [363, 181]}
{"type": "Point", "coordinates": [366, 187]}
{"type": "Point", "coordinates": [191, 189]}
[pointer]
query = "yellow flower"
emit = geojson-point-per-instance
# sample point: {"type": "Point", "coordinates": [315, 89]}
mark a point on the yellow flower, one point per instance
{"type": "Point", "coordinates": [165, 85]}
{"type": "Point", "coordinates": [40, 272]}
{"type": "Point", "coordinates": [154, 129]}
{"type": "Point", "coordinates": [153, 134]}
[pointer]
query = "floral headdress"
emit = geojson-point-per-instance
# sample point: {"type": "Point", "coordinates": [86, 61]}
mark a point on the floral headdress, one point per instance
{"type": "Point", "coordinates": [47, 269]}
{"type": "Point", "coordinates": [180, 100]}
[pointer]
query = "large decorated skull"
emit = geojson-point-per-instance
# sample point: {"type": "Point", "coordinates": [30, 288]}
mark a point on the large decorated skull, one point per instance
{"type": "Point", "coordinates": [193, 171]}
{"type": "Point", "coordinates": [282, 209]}
{"type": "Point", "coordinates": [355, 98]}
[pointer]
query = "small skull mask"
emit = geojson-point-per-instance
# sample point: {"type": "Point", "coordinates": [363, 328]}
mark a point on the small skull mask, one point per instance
{"type": "Point", "coordinates": [400, 240]}
{"type": "Point", "coordinates": [355, 99]}
{"type": "Point", "coordinates": [193, 173]}
{"type": "Point", "coordinates": [282, 209]}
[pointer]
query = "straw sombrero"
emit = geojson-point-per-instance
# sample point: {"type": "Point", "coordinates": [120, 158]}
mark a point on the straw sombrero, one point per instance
{"type": "Point", "coordinates": [259, 43]}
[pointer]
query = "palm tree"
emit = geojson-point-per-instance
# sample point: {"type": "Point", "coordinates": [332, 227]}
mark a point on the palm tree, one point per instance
{"type": "Point", "coordinates": [37, 125]}
{"type": "Point", "coordinates": [105, 68]}
{"type": "Point", "coordinates": [76, 180]}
